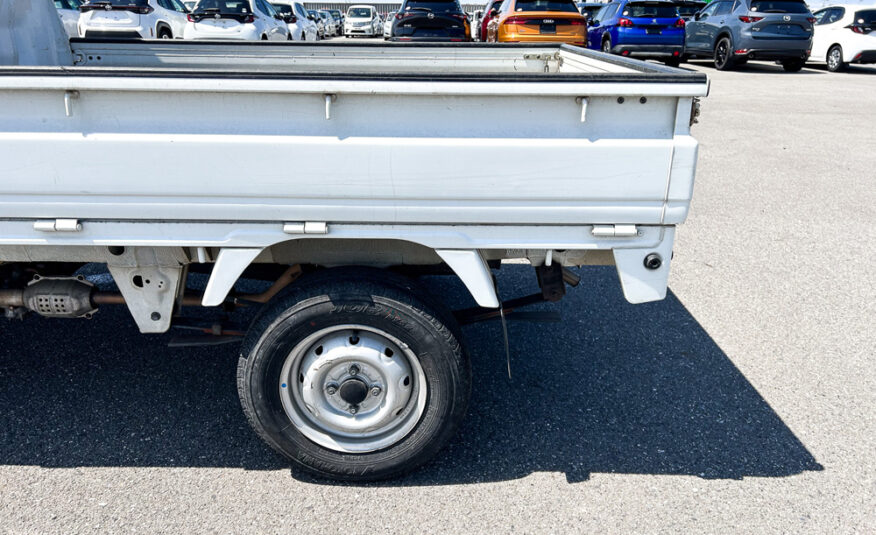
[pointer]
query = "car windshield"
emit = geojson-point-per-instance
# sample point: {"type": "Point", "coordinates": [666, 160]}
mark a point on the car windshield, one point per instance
{"type": "Point", "coordinates": [567, 6]}
{"type": "Point", "coordinates": [652, 10]}
{"type": "Point", "coordinates": [67, 4]}
{"type": "Point", "coordinates": [359, 13]}
{"type": "Point", "coordinates": [866, 18]}
{"type": "Point", "coordinates": [237, 7]}
{"type": "Point", "coordinates": [779, 6]}
{"type": "Point", "coordinates": [435, 6]}
{"type": "Point", "coordinates": [336, 13]}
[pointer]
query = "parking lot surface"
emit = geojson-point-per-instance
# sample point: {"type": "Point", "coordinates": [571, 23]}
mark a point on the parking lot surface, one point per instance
{"type": "Point", "coordinates": [742, 403]}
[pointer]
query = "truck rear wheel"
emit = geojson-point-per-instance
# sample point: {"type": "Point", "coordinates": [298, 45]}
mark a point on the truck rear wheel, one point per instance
{"type": "Point", "coordinates": [354, 375]}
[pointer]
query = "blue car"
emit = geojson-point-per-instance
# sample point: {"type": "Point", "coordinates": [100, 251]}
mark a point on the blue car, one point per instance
{"type": "Point", "coordinates": [639, 28]}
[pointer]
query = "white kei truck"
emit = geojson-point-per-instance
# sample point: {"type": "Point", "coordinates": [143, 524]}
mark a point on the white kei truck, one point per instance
{"type": "Point", "coordinates": [335, 172]}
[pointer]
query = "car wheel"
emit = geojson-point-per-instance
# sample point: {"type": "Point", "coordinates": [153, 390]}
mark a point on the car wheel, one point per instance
{"type": "Point", "coordinates": [164, 33]}
{"type": "Point", "coordinates": [672, 62]}
{"type": "Point", "coordinates": [606, 45]}
{"type": "Point", "coordinates": [724, 55]}
{"type": "Point", "coordinates": [793, 65]}
{"type": "Point", "coordinates": [835, 59]}
{"type": "Point", "coordinates": [355, 375]}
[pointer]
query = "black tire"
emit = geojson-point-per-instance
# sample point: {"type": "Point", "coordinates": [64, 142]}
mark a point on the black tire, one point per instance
{"type": "Point", "coordinates": [835, 59]}
{"type": "Point", "coordinates": [379, 300]}
{"type": "Point", "coordinates": [723, 55]}
{"type": "Point", "coordinates": [606, 45]}
{"type": "Point", "coordinates": [793, 65]}
{"type": "Point", "coordinates": [164, 33]}
{"type": "Point", "coordinates": [672, 62]}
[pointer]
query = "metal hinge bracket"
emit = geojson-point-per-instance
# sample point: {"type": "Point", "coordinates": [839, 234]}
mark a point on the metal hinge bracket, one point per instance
{"type": "Point", "coordinates": [57, 225]}
{"type": "Point", "coordinates": [308, 227]}
{"type": "Point", "coordinates": [615, 231]}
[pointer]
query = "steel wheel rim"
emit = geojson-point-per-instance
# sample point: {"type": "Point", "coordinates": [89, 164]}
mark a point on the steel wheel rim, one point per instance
{"type": "Point", "coordinates": [833, 59]}
{"type": "Point", "coordinates": [606, 47]}
{"type": "Point", "coordinates": [318, 379]}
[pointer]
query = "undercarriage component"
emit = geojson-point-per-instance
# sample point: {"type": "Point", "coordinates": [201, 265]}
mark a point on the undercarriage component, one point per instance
{"type": "Point", "coordinates": [59, 297]}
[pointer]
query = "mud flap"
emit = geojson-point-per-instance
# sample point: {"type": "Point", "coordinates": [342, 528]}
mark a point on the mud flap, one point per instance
{"type": "Point", "coordinates": [641, 281]}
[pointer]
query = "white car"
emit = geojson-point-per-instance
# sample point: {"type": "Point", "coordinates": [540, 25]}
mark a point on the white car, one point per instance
{"type": "Point", "coordinates": [332, 28]}
{"type": "Point", "coordinates": [301, 28]}
{"type": "Point", "coordinates": [362, 20]}
{"type": "Point", "coordinates": [138, 19]}
{"type": "Point", "coordinates": [387, 25]}
{"type": "Point", "coordinates": [248, 20]}
{"type": "Point", "coordinates": [844, 33]}
{"type": "Point", "coordinates": [68, 10]}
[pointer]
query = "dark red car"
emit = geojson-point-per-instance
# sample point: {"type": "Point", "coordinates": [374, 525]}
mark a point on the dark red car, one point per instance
{"type": "Point", "coordinates": [491, 5]}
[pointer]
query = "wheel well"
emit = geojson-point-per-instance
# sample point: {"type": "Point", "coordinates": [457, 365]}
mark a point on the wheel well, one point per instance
{"type": "Point", "coordinates": [161, 27]}
{"type": "Point", "coordinates": [721, 36]}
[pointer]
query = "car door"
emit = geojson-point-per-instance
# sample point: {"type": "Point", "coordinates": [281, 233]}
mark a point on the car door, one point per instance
{"type": "Point", "coordinates": [695, 29]}
{"type": "Point", "coordinates": [178, 17]}
{"type": "Point", "coordinates": [714, 24]}
{"type": "Point", "coordinates": [827, 25]}
{"type": "Point", "coordinates": [276, 30]}
{"type": "Point", "coordinates": [600, 23]}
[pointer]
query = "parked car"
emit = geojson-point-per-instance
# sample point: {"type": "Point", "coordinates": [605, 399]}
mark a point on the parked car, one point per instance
{"type": "Point", "coordinates": [300, 27]}
{"type": "Point", "coordinates": [430, 20]}
{"type": "Point", "coordinates": [528, 21]}
{"type": "Point", "coordinates": [138, 19]}
{"type": "Point", "coordinates": [249, 20]}
{"type": "Point", "coordinates": [639, 28]}
{"type": "Point", "coordinates": [490, 11]}
{"type": "Point", "coordinates": [68, 10]}
{"type": "Point", "coordinates": [734, 32]}
{"type": "Point", "coordinates": [387, 26]}
{"type": "Point", "coordinates": [339, 16]}
{"type": "Point", "coordinates": [688, 8]}
{"type": "Point", "coordinates": [362, 20]}
{"type": "Point", "coordinates": [844, 34]}
{"type": "Point", "coordinates": [589, 9]}
{"type": "Point", "coordinates": [320, 24]}
{"type": "Point", "coordinates": [332, 27]}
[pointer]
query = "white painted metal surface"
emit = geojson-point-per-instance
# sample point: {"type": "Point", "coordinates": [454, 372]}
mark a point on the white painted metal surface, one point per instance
{"type": "Point", "coordinates": [458, 149]}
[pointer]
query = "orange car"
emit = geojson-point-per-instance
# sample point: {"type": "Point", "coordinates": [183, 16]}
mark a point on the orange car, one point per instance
{"type": "Point", "coordinates": [538, 21]}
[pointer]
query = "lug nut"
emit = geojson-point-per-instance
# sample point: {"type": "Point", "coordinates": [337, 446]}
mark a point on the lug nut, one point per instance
{"type": "Point", "coordinates": [375, 391]}
{"type": "Point", "coordinates": [353, 410]}
{"type": "Point", "coordinates": [331, 389]}
{"type": "Point", "coordinates": [354, 370]}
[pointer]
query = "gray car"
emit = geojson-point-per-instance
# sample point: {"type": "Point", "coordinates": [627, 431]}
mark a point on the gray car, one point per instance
{"type": "Point", "coordinates": [735, 31]}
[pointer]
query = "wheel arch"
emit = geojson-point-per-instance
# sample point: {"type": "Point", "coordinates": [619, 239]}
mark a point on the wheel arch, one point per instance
{"type": "Point", "coordinates": [162, 25]}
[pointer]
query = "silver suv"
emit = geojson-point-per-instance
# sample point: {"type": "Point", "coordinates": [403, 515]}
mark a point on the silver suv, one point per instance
{"type": "Point", "coordinates": [735, 31]}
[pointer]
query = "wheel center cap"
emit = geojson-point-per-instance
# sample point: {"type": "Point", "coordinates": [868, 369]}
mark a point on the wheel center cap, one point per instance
{"type": "Point", "coordinates": [353, 391]}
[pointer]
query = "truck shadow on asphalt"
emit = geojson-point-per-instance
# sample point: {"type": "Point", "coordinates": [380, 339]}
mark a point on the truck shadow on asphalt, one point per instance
{"type": "Point", "coordinates": [614, 388]}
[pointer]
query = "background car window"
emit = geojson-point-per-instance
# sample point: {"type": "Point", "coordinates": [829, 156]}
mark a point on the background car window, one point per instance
{"type": "Point", "coordinates": [779, 6]}
{"type": "Point", "coordinates": [359, 12]}
{"type": "Point", "coordinates": [650, 10]}
{"type": "Point", "coordinates": [834, 15]}
{"type": "Point", "coordinates": [565, 6]}
{"type": "Point", "coordinates": [866, 18]}
{"type": "Point", "coordinates": [709, 11]}
{"type": "Point", "coordinates": [435, 6]}
{"type": "Point", "coordinates": [179, 6]}
{"type": "Point", "coordinates": [67, 4]}
{"type": "Point", "coordinates": [230, 7]}
{"type": "Point", "coordinates": [723, 8]}
{"type": "Point", "coordinates": [266, 8]}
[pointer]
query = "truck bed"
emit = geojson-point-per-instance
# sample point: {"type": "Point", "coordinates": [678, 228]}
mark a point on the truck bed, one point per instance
{"type": "Point", "coordinates": [371, 134]}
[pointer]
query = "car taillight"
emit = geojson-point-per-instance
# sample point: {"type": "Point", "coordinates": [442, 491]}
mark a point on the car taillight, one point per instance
{"type": "Point", "coordinates": [577, 22]}
{"type": "Point", "coordinates": [856, 29]}
{"type": "Point", "coordinates": [679, 23]}
{"type": "Point", "coordinates": [625, 23]}
{"type": "Point", "coordinates": [749, 20]}
{"type": "Point", "coordinates": [249, 19]}
{"type": "Point", "coordinates": [811, 20]}
{"type": "Point", "coordinates": [190, 18]}
{"type": "Point", "coordinates": [459, 17]}
{"type": "Point", "coordinates": [144, 10]}
{"type": "Point", "coordinates": [521, 20]}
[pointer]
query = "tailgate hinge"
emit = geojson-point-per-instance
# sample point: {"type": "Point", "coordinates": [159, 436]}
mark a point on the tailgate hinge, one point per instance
{"type": "Point", "coordinates": [57, 225]}
{"type": "Point", "coordinates": [308, 227]}
{"type": "Point", "coordinates": [615, 231]}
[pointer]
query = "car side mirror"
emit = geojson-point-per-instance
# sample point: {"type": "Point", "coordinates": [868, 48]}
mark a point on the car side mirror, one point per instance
{"type": "Point", "coordinates": [699, 16]}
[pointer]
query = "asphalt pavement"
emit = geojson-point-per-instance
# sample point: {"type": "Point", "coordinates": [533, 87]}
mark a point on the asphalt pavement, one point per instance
{"type": "Point", "coordinates": [743, 403]}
